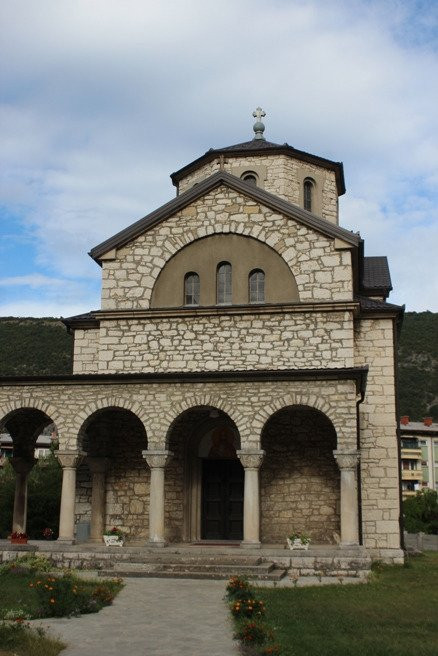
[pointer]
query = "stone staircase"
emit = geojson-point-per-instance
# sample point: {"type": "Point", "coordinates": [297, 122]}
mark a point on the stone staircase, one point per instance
{"type": "Point", "coordinates": [219, 566]}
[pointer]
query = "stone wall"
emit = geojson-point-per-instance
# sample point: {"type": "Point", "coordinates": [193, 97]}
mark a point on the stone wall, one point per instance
{"type": "Point", "coordinates": [379, 455]}
{"type": "Point", "coordinates": [284, 178]}
{"type": "Point", "coordinates": [300, 480]}
{"type": "Point", "coordinates": [86, 350]}
{"type": "Point", "coordinates": [227, 342]}
{"type": "Point", "coordinates": [322, 273]}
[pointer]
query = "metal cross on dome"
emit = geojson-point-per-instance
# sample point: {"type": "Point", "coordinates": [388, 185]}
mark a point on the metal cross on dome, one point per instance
{"type": "Point", "coordinates": [258, 126]}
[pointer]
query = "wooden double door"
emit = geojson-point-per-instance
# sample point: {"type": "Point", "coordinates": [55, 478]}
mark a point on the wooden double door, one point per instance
{"type": "Point", "coordinates": [222, 500]}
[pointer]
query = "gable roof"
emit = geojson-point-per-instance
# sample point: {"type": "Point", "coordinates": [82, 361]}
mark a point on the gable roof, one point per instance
{"type": "Point", "coordinates": [261, 146]}
{"type": "Point", "coordinates": [197, 191]}
{"type": "Point", "coordinates": [375, 275]}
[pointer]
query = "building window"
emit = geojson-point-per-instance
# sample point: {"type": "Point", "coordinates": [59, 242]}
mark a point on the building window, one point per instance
{"type": "Point", "coordinates": [257, 286]}
{"type": "Point", "coordinates": [308, 194]}
{"type": "Point", "coordinates": [250, 177]}
{"type": "Point", "coordinates": [223, 284]}
{"type": "Point", "coordinates": [191, 289]}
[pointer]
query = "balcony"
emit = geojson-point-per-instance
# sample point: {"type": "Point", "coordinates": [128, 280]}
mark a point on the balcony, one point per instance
{"type": "Point", "coordinates": [411, 453]}
{"type": "Point", "coordinates": [412, 474]}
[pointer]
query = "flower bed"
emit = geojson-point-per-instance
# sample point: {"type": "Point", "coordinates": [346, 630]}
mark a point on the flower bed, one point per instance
{"type": "Point", "coordinates": [255, 635]}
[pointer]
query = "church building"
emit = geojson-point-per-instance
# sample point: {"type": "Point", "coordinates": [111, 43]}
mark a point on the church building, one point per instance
{"type": "Point", "coordinates": [238, 383]}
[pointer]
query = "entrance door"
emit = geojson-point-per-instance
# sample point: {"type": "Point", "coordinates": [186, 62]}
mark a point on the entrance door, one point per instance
{"type": "Point", "coordinates": [222, 500]}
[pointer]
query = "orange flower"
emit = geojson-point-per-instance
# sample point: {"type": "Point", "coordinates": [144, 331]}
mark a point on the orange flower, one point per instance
{"type": "Point", "coordinates": [52, 601]}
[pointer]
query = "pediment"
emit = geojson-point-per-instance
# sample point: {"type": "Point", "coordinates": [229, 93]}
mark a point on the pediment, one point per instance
{"type": "Point", "coordinates": [200, 190]}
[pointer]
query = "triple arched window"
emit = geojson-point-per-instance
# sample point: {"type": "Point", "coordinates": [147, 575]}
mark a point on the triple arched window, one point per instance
{"type": "Point", "coordinates": [224, 287]}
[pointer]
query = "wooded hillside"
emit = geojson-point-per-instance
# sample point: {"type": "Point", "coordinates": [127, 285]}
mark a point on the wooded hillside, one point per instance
{"type": "Point", "coordinates": [42, 346]}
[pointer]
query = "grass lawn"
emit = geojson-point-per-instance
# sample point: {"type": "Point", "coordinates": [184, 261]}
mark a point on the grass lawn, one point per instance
{"type": "Point", "coordinates": [19, 640]}
{"type": "Point", "coordinates": [396, 614]}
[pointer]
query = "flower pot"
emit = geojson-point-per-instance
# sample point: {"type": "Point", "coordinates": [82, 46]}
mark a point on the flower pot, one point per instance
{"type": "Point", "coordinates": [113, 541]}
{"type": "Point", "coordinates": [19, 540]}
{"type": "Point", "coordinates": [297, 544]}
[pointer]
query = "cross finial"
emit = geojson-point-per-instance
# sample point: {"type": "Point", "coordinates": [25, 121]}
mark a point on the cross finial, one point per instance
{"type": "Point", "coordinates": [258, 126]}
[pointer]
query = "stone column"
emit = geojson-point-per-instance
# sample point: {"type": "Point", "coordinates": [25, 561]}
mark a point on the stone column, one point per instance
{"type": "Point", "coordinates": [347, 462]}
{"type": "Point", "coordinates": [251, 460]}
{"type": "Point", "coordinates": [69, 461]}
{"type": "Point", "coordinates": [98, 468]}
{"type": "Point", "coordinates": [157, 461]}
{"type": "Point", "coordinates": [22, 468]}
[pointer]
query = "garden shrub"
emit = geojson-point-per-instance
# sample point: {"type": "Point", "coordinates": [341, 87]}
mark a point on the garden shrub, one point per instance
{"type": "Point", "coordinates": [66, 596]}
{"type": "Point", "coordinates": [239, 588]}
{"type": "Point", "coordinates": [421, 512]}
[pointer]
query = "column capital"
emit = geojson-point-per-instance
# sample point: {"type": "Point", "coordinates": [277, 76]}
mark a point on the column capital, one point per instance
{"type": "Point", "coordinates": [22, 465]}
{"type": "Point", "coordinates": [98, 465]}
{"type": "Point", "coordinates": [69, 459]}
{"type": "Point", "coordinates": [157, 459]}
{"type": "Point", "coordinates": [251, 458]}
{"type": "Point", "coordinates": [347, 458]}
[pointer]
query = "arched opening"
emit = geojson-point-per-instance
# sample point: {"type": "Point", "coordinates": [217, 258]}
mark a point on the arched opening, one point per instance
{"type": "Point", "coordinates": [30, 476]}
{"type": "Point", "coordinates": [191, 288]}
{"type": "Point", "coordinates": [250, 177]}
{"type": "Point", "coordinates": [113, 439]}
{"type": "Point", "coordinates": [256, 286]}
{"type": "Point", "coordinates": [224, 294]}
{"type": "Point", "coordinates": [300, 483]}
{"type": "Point", "coordinates": [206, 473]}
{"type": "Point", "coordinates": [308, 187]}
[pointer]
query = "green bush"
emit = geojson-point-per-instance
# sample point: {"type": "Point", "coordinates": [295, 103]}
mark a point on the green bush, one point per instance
{"type": "Point", "coordinates": [421, 512]}
{"type": "Point", "coordinates": [238, 588]}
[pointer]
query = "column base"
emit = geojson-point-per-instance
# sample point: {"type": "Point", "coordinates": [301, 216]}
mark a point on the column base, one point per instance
{"type": "Point", "coordinates": [157, 544]}
{"type": "Point", "coordinates": [348, 545]}
{"type": "Point", "coordinates": [245, 544]}
{"type": "Point", "coordinates": [66, 541]}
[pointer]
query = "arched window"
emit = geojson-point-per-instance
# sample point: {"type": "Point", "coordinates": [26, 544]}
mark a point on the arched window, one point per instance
{"type": "Point", "coordinates": [308, 193]}
{"type": "Point", "coordinates": [250, 177]}
{"type": "Point", "coordinates": [191, 289]}
{"type": "Point", "coordinates": [256, 283]}
{"type": "Point", "coordinates": [223, 284]}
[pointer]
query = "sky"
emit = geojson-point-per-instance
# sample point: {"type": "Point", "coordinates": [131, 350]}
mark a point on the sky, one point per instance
{"type": "Point", "coordinates": [100, 100]}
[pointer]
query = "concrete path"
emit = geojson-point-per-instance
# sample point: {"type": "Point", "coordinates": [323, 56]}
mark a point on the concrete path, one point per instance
{"type": "Point", "coordinates": [153, 617]}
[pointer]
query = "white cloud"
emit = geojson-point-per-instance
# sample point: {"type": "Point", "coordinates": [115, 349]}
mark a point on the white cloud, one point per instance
{"type": "Point", "coordinates": [104, 99]}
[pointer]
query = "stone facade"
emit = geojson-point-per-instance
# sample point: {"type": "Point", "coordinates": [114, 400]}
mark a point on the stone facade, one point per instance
{"type": "Point", "coordinates": [287, 380]}
{"type": "Point", "coordinates": [280, 175]}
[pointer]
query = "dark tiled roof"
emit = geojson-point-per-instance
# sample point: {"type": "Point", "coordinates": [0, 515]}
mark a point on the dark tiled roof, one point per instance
{"type": "Point", "coordinates": [371, 305]}
{"type": "Point", "coordinates": [376, 274]}
{"type": "Point", "coordinates": [261, 146]}
{"type": "Point", "coordinates": [254, 144]}
{"type": "Point", "coordinates": [88, 319]}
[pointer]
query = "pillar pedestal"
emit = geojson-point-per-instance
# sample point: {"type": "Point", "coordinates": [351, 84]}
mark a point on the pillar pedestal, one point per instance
{"type": "Point", "coordinates": [98, 468]}
{"type": "Point", "coordinates": [157, 461]}
{"type": "Point", "coordinates": [22, 468]}
{"type": "Point", "coordinates": [251, 460]}
{"type": "Point", "coordinates": [347, 462]}
{"type": "Point", "coordinates": [69, 460]}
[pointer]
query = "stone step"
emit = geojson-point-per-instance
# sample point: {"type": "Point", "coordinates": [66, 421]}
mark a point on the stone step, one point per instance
{"type": "Point", "coordinates": [262, 568]}
{"type": "Point", "coordinates": [194, 559]}
{"type": "Point", "coordinates": [272, 575]}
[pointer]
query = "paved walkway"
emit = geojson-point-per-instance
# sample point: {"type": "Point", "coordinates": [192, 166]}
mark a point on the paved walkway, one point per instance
{"type": "Point", "coordinates": [153, 617]}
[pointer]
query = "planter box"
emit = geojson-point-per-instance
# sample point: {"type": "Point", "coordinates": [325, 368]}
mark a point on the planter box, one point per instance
{"type": "Point", "coordinates": [297, 544]}
{"type": "Point", "coordinates": [113, 541]}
